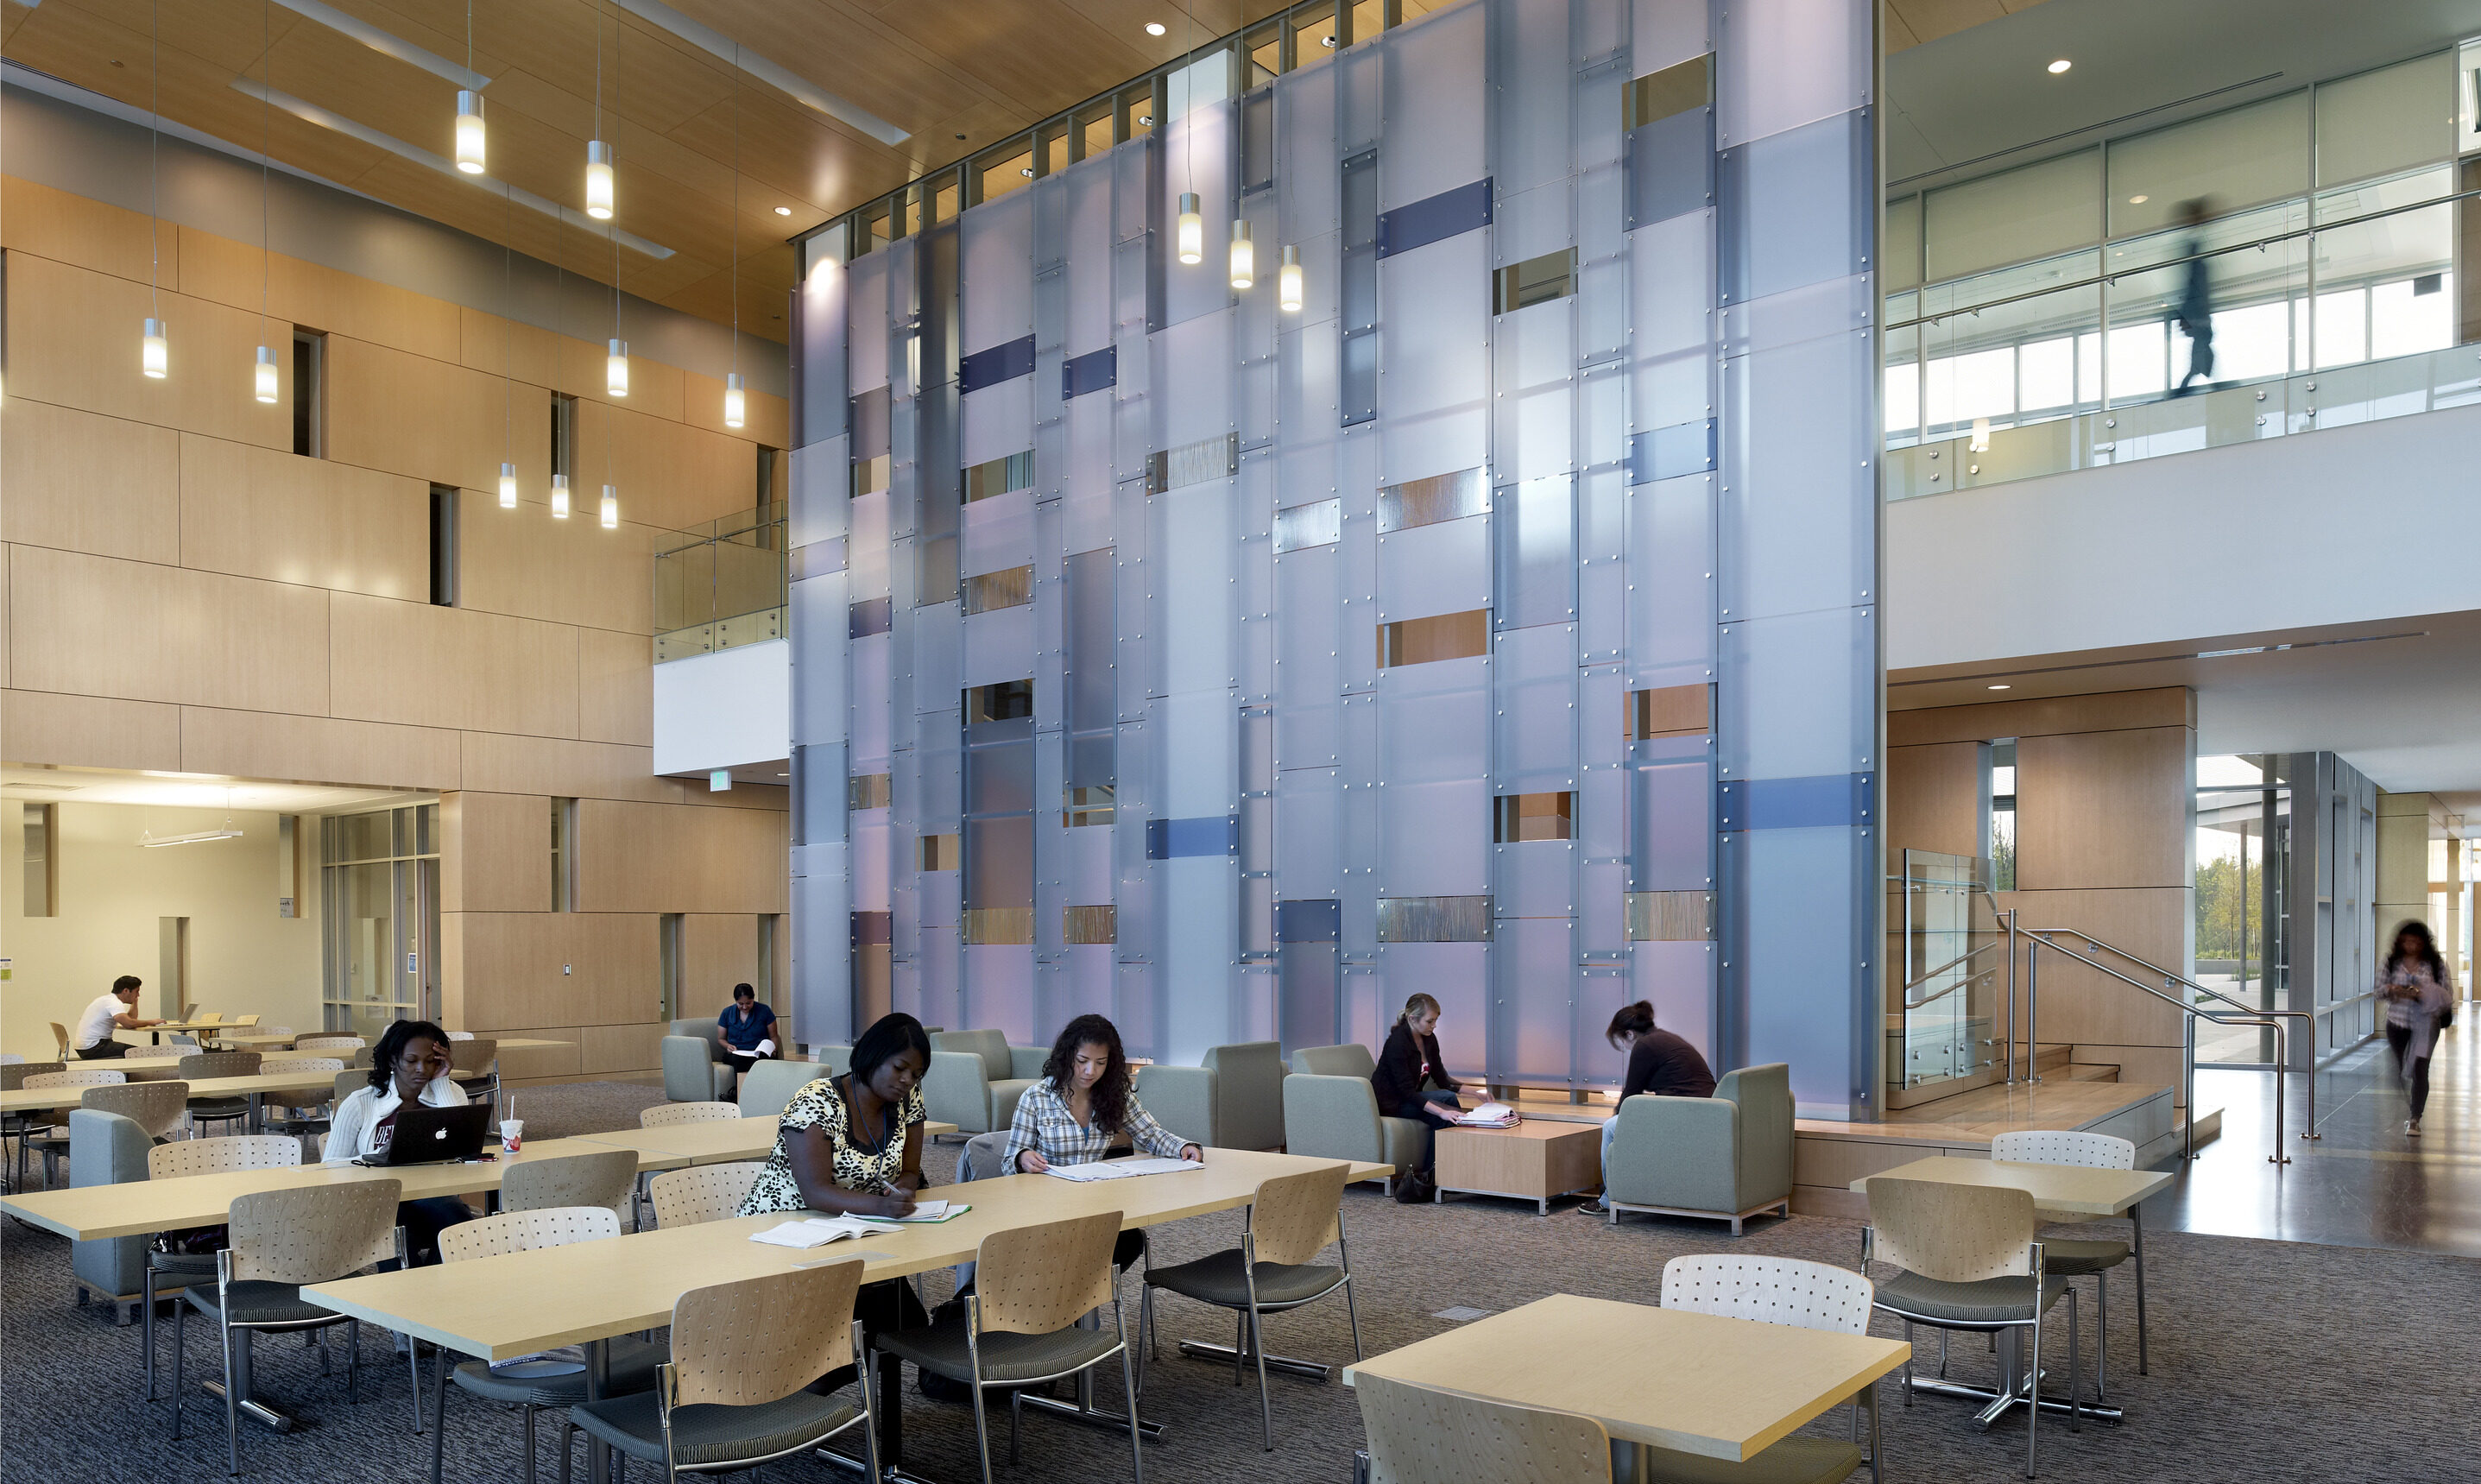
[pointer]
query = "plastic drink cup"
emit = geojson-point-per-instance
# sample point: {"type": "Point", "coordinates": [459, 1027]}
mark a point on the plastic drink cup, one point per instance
{"type": "Point", "coordinates": [513, 1134]}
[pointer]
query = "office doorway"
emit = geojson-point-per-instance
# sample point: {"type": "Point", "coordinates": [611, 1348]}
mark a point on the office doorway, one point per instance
{"type": "Point", "coordinates": [381, 870]}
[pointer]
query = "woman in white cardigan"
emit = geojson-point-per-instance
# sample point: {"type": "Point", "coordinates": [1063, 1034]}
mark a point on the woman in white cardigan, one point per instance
{"type": "Point", "coordinates": [410, 1064]}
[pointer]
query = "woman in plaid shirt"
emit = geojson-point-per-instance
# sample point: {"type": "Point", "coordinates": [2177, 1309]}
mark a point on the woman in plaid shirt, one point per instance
{"type": "Point", "coordinates": [1087, 1103]}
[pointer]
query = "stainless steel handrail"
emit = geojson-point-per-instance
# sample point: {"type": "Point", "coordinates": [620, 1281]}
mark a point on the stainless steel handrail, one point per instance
{"type": "Point", "coordinates": [1911, 1004]}
{"type": "Point", "coordinates": [2043, 937]}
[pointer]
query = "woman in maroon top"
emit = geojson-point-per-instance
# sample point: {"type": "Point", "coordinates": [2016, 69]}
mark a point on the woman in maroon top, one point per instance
{"type": "Point", "coordinates": [1412, 1081]}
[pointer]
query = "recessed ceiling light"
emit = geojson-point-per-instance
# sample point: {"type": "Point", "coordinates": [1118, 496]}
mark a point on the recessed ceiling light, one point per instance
{"type": "Point", "coordinates": [1154, 27]}
{"type": "Point", "coordinates": [2138, 201]}
{"type": "Point", "coordinates": [2060, 66]}
{"type": "Point", "coordinates": [2002, 688]}
{"type": "Point", "coordinates": [783, 211]}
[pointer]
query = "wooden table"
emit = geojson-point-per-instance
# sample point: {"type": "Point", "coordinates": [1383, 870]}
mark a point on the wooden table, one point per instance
{"type": "Point", "coordinates": [1532, 1161]}
{"type": "Point", "coordinates": [17, 1100]}
{"type": "Point", "coordinates": [718, 1142]}
{"type": "Point", "coordinates": [2058, 1190]}
{"type": "Point", "coordinates": [1655, 1378]}
{"type": "Point", "coordinates": [254, 1041]}
{"type": "Point", "coordinates": [586, 1293]}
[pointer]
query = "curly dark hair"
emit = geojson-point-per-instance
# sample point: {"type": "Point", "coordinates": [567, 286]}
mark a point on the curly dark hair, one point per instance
{"type": "Point", "coordinates": [1110, 1094]}
{"type": "Point", "coordinates": [392, 1041]}
{"type": "Point", "coordinates": [2424, 949]}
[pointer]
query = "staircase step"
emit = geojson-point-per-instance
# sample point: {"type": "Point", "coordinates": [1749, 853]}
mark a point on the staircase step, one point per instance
{"type": "Point", "coordinates": [2093, 1071]}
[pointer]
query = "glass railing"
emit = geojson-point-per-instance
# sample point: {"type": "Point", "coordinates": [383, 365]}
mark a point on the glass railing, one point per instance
{"type": "Point", "coordinates": [720, 584]}
{"type": "Point", "coordinates": [1947, 975]}
{"type": "Point", "coordinates": [2337, 397]}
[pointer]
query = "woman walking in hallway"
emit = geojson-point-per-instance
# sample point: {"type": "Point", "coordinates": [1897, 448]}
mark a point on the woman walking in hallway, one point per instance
{"type": "Point", "coordinates": [2417, 995]}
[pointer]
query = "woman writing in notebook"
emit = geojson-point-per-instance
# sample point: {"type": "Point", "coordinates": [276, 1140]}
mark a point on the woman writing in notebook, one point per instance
{"type": "Point", "coordinates": [1412, 1081]}
{"type": "Point", "coordinates": [1084, 1104]}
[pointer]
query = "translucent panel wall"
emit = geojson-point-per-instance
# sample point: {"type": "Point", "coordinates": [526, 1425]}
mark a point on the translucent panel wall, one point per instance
{"type": "Point", "coordinates": [1498, 625]}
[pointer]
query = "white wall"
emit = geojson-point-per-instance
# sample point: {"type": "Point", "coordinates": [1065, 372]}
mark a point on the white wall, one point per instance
{"type": "Point", "coordinates": [113, 895]}
{"type": "Point", "coordinates": [2340, 526]}
{"type": "Point", "coordinates": [724, 710]}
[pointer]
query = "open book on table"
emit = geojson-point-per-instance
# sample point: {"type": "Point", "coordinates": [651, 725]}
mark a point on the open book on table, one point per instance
{"type": "Point", "coordinates": [818, 1231]}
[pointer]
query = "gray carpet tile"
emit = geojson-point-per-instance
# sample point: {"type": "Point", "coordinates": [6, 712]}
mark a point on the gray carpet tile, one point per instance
{"type": "Point", "coordinates": [2271, 1361]}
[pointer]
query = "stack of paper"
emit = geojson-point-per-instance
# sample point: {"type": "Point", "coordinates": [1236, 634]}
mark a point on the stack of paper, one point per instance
{"type": "Point", "coordinates": [1490, 1115]}
{"type": "Point", "coordinates": [934, 1210]}
{"type": "Point", "coordinates": [818, 1231]}
{"type": "Point", "coordinates": [566, 1361]}
{"type": "Point", "coordinates": [1121, 1169]}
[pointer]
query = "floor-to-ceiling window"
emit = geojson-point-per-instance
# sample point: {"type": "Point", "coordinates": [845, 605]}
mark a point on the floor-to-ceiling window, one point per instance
{"type": "Point", "coordinates": [382, 875]}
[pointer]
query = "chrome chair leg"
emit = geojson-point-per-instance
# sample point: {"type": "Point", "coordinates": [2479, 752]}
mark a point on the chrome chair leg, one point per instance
{"type": "Point", "coordinates": [982, 1432]}
{"type": "Point", "coordinates": [1908, 1359]}
{"type": "Point", "coordinates": [2075, 1369]}
{"type": "Point", "coordinates": [147, 1333]}
{"type": "Point", "coordinates": [1266, 1409]}
{"type": "Point", "coordinates": [2033, 1379]}
{"type": "Point", "coordinates": [180, 1334]}
{"type": "Point", "coordinates": [232, 1393]}
{"type": "Point", "coordinates": [1128, 1381]}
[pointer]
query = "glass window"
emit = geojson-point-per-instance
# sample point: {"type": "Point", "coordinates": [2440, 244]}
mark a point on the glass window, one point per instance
{"type": "Point", "coordinates": [2244, 157]}
{"type": "Point", "coordinates": [1137, 107]}
{"type": "Point", "coordinates": [1312, 34]}
{"type": "Point", "coordinates": [2002, 815]}
{"type": "Point", "coordinates": [1899, 259]}
{"type": "Point", "coordinates": [2386, 121]}
{"type": "Point", "coordinates": [2017, 215]}
{"type": "Point", "coordinates": [1095, 130]}
{"type": "Point", "coordinates": [379, 890]}
{"type": "Point", "coordinates": [39, 833]}
{"type": "Point", "coordinates": [1013, 171]}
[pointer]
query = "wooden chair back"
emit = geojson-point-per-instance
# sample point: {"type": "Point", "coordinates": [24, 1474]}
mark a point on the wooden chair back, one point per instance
{"type": "Point", "coordinates": [221, 1156]}
{"type": "Point", "coordinates": [1038, 1280]}
{"type": "Point", "coordinates": [76, 1077]}
{"type": "Point", "coordinates": [1772, 1290]}
{"type": "Point", "coordinates": [470, 1058]}
{"type": "Point", "coordinates": [1953, 1233]}
{"type": "Point", "coordinates": [1419, 1436]}
{"type": "Point", "coordinates": [760, 1340]}
{"type": "Point", "coordinates": [663, 1115]}
{"type": "Point", "coordinates": [60, 1039]}
{"type": "Point", "coordinates": [201, 1065]}
{"type": "Point", "coordinates": [313, 1232]}
{"type": "Point", "coordinates": [154, 1106]}
{"type": "Point", "coordinates": [1296, 1215]}
{"type": "Point", "coordinates": [702, 1192]}
{"type": "Point", "coordinates": [524, 1231]}
{"type": "Point", "coordinates": [608, 1180]}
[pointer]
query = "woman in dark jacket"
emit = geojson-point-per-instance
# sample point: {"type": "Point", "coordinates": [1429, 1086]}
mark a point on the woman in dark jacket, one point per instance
{"type": "Point", "coordinates": [1412, 1081]}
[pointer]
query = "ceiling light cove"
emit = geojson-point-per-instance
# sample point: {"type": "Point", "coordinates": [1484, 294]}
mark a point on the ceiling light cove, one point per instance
{"type": "Point", "coordinates": [2060, 66]}
{"type": "Point", "coordinates": [783, 211]}
{"type": "Point", "coordinates": [1154, 27]}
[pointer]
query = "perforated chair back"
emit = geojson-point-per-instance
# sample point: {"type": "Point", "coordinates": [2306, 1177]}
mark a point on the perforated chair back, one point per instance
{"type": "Point", "coordinates": [221, 1156]}
{"type": "Point", "coordinates": [2064, 1146]}
{"type": "Point", "coordinates": [1772, 1290]}
{"type": "Point", "coordinates": [461, 1036]}
{"type": "Point", "coordinates": [155, 1054]}
{"type": "Point", "coordinates": [1418, 1436]}
{"type": "Point", "coordinates": [350, 1080]}
{"type": "Point", "coordinates": [154, 1106]}
{"type": "Point", "coordinates": [13, 1076]}
{"type": "Point", "coordinates": [1953, 1233]}
{"type": "Point", "coordinates": [76, 1077]}
{"type": "Point", "coordinates": [663, 1115]}
{"type": "Point", "coordinates": [318, 1042]}
{"type": "Point", "coordinates": [525, 1231]}
{"type": "Point", "coordinates": [12, 1058]}
{"type": "Point", "coordinates": [199, 1066]}
{"type": "Point", "coordinates": [1038, 1280]}
{"type": "Point", "coordinates": [760, 1340]}
{"type": "Point", "coordinates": [608, 1180]}
{"type": "Point", "coordinates": [1295, 1215]}
{"type": "Point", "coordinates": [313, 1234]}
{"type": "Point", "coordinates": [330, 1064]}
{"type": "Point", "coordinates": [702, 1192]}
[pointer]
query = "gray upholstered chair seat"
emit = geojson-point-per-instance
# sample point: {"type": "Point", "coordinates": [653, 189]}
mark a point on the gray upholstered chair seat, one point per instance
{"type": "Point", "coordinates": [633, 1369]}
{"type": "Point", "coordinates": [219, 1107]}
{"type": "Point", "coordinates": [707, 1434]}
{"type": "Point", "coordinates": [1991, 1301]}
{"type": "Point", "coordinates": [184, 1265]}
{"type": "Point", "coordinates": [256, 1302]}
{"type": "Point", "coordinates": [2062, 1258]}
{"type": "Point", "coordinates": [1007, 1359]}
{"type": "Point", "coordinates": [1791, 1461]}
{"type": "Point", "coordinates": [1218, 1279]}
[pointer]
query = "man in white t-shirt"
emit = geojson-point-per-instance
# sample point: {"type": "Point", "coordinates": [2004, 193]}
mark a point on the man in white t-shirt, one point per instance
{"type": "Point", "coordinates": [114, 1011]}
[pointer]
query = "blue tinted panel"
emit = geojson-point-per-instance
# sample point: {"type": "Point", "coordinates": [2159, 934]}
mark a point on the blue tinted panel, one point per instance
{"type": "Point", "coordinates": [1171, 839]}
{"type": "Point", "coordinates": [1436, 220]}
{"type": "Point", "coordinates": [1093, 371]}
{"type": "Point", "coordinates": [1003, 362]}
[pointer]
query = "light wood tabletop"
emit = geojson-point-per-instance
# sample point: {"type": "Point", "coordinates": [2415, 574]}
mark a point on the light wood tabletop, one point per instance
{"type": "Point", "coordinates": [254, 1041]}
{"type": "Point", "coordinates": [525, 1301]}
{"type": "Point", "coordinates": [718, 1142]}
{"type": "Point", "coordinates": [139, 1208]}
{"type": "Point", "coordinates": [2072, 1190]}
{"type": "Point", "coordinates": [1695, 1383]}
{"type": "Point", "coordinates": [25, 1099]}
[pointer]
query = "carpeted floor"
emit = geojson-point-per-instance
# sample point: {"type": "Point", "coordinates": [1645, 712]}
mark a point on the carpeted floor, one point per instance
{"type": "Point", "coordinates": [2271, 1361]}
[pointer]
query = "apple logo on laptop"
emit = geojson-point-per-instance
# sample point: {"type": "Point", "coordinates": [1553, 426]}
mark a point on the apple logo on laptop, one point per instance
{"type": "Point", "coordinates": [439, 1133]}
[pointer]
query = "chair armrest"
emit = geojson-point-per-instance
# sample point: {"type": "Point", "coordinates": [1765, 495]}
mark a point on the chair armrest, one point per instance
{"type": "Point", "coordinates": [1025, 1063]}
{"type": "Point", "coordinates": [1003, 1097]}
{"type": "Point", "coordinates": [954, 1091]}
{"type": "Point", "coordinates": [1182, 1099]}
{"type": "Point", "coordinates": [1680, 1153]}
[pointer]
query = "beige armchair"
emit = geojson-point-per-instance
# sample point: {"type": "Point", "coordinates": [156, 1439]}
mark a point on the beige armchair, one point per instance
{"type": "Point", "coordinates": [1727, 1156]}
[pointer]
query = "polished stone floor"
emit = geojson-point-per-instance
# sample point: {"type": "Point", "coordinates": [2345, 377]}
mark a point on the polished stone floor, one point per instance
{"type": "Point", "coordinates": [2363, 1182]}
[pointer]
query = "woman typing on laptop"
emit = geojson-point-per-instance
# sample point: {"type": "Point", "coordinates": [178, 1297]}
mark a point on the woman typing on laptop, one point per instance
{"type": "Point", "coordinates": [409, 1065]}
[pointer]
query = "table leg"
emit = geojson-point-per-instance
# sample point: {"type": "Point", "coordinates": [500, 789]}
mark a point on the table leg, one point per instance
{"type": "Point", "coordinates": [2136, 1220]}
{"type": "Point", "coordinates": [257, 1115]}
{"type": "Point", "coordinates": [1082, 1409]}
{"type": "Point", "coordinates": [249, 1404]}
{"type": "Point", "coordinates": [598, 1375]}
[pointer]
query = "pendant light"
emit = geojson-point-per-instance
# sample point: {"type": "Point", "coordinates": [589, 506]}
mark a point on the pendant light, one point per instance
{"type": "Point", "coordinates": [610, 508]}
{"type": "Point", "coordinates": [1288, 282]}
{"type": "Point", "coordinates": [599, 194]}
{"type": "Point", "coordinates": [154, 350]}
{"type": "Point", "coordinates": [616, 368]}
{"type": "Point", "coordinates": [616, 374]}
{"type": "Point", "coordinates": [507, 345]}
{"type": "Point", "coordinates": [1193, 230]}
{"type": "Point", "coordinates": [559, 497]}
{"type": "Point", "coordinates": [265, 380]}
{"type": "Point", "coordinates": [1245, 255]}
{"type": "Point", "coordinates": [735, 404]}
{"type": "Point", "coordinates": [469, 109]}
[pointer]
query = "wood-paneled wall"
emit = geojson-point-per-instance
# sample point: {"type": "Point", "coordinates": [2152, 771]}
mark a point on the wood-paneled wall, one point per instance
{"type": "Point", "coordinates": [181, 592]}
{"type": "Point", "coordinates": [2105, 845]}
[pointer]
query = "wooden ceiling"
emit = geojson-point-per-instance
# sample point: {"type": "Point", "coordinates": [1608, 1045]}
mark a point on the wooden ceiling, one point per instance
{"type": "Point", "coordinates": [957, 75]}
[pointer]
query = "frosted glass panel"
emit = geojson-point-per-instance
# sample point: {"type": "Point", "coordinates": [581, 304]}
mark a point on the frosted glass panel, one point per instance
{"type": "Point", "coordinates": [2007, 218]}
{"type": "Point", "coordinates": [2232, 160]}
{"type": "Point", "coordinates": [1434, 135]}
{"type": "Point", "coordinates": [2382, 122]}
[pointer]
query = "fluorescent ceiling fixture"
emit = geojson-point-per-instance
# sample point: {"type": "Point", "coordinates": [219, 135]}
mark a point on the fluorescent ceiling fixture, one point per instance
{"type": "Point", "coordinates": [1154, 27]}
{"type": "Point", "coordinates": [195, 837]}
{"type": "Point", "coordinates": [2002, 688]}
{"type": "Point", "coordinates": [783, 211]}
{"type": "Point", "coordinates": [2060, 66]}
{"type": "Point", "coordinates": [387, 45]}
{"type": "Point", "coordinates": [722, 47]}
{"type": "Point", "coordinates": [311, 113]}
